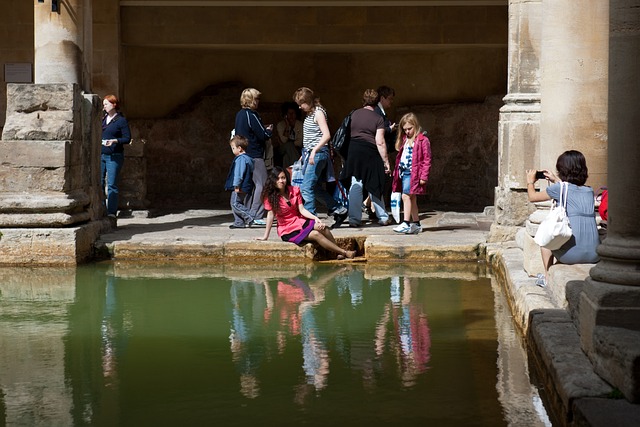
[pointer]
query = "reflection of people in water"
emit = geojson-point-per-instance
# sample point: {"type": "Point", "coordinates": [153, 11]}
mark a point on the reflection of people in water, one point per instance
{"type": "Point", "coordinates": [112, 341]}
{"type": "Point", "coordinates": [403, 327]}
{"type": "Point", "coordinates": [249, 304]}
{"type": "Point", "coordinates": [295, 307]}
{"type": "Point", "coordinates": [266, 315]}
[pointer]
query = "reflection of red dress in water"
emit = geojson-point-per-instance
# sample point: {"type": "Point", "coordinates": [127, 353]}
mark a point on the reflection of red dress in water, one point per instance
{"type": "Point", "coordinates": [421, 338]}
{"type": "Point", "coordinates": [291, 296]}
{"type": "Point", "coordinates": [414, 337]}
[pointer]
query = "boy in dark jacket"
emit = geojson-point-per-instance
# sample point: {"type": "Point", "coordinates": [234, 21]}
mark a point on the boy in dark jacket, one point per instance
{"type": "Point", "coordinates": [240, 182]}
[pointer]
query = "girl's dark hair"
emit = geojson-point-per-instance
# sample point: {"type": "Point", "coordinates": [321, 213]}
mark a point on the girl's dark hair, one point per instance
{"type": "Point", "coordinates": [270, 192]}
{"type": "Point", "coordinates": [572, 167]}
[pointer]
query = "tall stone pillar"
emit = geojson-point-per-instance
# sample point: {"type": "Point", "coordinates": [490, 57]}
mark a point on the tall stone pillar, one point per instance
{"type": "Point", "coordinates": [51, 210]}
{"type": "Point", "coordinates": [573, 87]}
{"type": "Point", "coordinates": [609, 312]}
{"type": "Point", "coordinates": [63, 43]}
{"type": "Point", "coordinates": [518, 133]}
{"type": "Point", "coordinates": [573, 100]}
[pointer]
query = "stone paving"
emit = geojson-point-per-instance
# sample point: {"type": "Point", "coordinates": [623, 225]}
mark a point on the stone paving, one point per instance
{"type": "Point", "coordinates": [543, 314]}
{"type": "Point", "coordinates": [205, 235]}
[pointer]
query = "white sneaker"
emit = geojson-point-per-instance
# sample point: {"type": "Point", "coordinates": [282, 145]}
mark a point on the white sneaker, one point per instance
{"type": "Point", "coordinates": [340, 210]}
{"type": "Point", "coordinates": [402, 228]}
{"type": "Point", "coordinates": [414, 229]}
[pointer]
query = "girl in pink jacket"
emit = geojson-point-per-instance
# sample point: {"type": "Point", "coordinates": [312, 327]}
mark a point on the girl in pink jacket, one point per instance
{"type": "Point", "coordinates": [412, 170]}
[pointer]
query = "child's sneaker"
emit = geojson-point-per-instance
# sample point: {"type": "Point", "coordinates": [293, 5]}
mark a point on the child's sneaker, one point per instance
{"type": "Point", "coordinates": [414, 228]}
{"type": "Point", "coordinates": [402, 228]}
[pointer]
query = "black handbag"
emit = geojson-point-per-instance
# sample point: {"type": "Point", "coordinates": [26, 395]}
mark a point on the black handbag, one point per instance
{"type": "Point", "coordinates": [340, 140]}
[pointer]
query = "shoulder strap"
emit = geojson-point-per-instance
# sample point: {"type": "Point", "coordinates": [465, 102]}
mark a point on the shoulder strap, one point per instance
{"type": "Point", "coordinates": [564, 192]}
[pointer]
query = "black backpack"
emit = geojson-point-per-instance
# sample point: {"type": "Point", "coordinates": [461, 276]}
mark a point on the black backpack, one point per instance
{"type": "Point", "coordinates": [340, 140]}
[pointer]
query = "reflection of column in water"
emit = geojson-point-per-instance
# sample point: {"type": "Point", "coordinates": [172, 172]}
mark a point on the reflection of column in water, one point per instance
{"type": "Point", "coordinates": [518, 397]}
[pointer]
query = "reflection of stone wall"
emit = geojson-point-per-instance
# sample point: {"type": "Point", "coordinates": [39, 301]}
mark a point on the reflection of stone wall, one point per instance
{"type": "Point", "coordinates": [188, 155]}
{"type": "Point", "coordinates": [33, 377]}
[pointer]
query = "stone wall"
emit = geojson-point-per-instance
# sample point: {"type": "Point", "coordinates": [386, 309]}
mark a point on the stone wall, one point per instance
{"type": "Point", "coordinates": [188, 156]}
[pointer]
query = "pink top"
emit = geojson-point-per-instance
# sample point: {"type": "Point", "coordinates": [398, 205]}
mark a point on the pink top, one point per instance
{"type": "Point", "coordinates": [289, 217]}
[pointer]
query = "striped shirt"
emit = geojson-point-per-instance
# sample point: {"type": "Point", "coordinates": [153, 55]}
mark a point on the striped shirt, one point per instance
{"type": "Point", "coordinates": [312, 134]}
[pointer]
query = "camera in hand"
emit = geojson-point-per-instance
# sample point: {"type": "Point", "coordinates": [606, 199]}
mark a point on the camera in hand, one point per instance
{"type": "Point", "coordinates": [540, 175]}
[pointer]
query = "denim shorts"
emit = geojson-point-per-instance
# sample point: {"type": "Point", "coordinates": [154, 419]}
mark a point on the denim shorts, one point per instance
{"type": "Point", "coordinates": [406, 183]}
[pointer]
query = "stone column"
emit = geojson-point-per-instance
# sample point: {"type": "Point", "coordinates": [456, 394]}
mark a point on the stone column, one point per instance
{"type": "Point", "coordinates": [573, 87]}
{"type": "Point", "coordinates": [51, 210]}
{"type": "Point", "coordinates": [574, 84]}
{"type": "Point", "coordinates": [609, 311]}
{"type": "Point", "coordinates": [518, 133]}
{"type": "Point", "coordinates": [62, 43]}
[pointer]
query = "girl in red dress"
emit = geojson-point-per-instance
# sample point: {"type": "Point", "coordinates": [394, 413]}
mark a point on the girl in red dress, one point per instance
{"type": "Point", "coordinates": [295, 223]}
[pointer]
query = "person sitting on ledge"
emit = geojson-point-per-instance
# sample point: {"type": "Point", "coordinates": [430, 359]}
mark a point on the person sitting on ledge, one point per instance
{"type": "Point", "coordinates": [581, 247]}
{"type": "Point", "coordinates": [295, 223]}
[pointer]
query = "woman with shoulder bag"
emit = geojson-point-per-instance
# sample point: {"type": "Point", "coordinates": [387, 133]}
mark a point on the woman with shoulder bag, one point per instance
{"type": "Point", "coordinates": [367, 163]}
{"type": "Point", "coordinates": [581, 247]}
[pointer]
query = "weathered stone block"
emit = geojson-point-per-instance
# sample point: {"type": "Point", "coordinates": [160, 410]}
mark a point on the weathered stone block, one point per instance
{"type": "Point", "coordinates": [512, 208]}
{"type": "Point", "coordinates": [42, 112]}
{"type": "Point", "coordinates": [532, 261]}
{"type": "Point", "coordinates": [57, 219]}
{"type": "Point", "coordinates": [33, 180]}
{"type": "Point", "coordinates": [48, 246]}
{"type": "Point", "coordinates": [41, 202]}
{"type": "Point", "coordinates": [48, 154]}
{"type": "Point", "coordinates": [41, 125]}
{"type": "Point", "coordinates": [563, 369]}
{"type": "Point", "coordinates": [25, 98]}
{"type": "Point", "coordinates": [502, 233]}
{"type": "Point", "coordinates": [616, 358]}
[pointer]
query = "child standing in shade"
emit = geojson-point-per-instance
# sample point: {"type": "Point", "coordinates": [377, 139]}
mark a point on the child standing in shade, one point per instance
{"type": "Point", "coordinates": [412, 170]}
{"type": "Point", "coordinates": [240, 182]}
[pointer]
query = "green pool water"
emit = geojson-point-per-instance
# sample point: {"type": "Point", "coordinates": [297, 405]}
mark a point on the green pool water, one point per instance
{"type": "Point", "coordinates": [232, 345]}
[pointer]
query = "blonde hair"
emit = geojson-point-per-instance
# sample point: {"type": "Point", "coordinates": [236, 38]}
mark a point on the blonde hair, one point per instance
{"type": "Point", "coordinates": [249, 97]}
{"type": "Point", "coordinates": [411, 119]}
{"type": "Point", "coordinates": [304, 95]}
{"type": "Point", "coordinates": [370, 98]}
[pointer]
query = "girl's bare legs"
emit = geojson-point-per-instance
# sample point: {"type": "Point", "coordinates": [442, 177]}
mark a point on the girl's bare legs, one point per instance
{"type": "Point", "coordinates": [325, 239]}
{"type": "Point", "coordinates": [407, 205]}
{"type": "Point", "coordinates": [414, 207]}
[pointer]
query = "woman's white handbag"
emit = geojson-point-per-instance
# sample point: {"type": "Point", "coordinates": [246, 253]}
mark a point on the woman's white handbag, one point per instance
{"type": "Point", "coordinates": [555, 230]}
